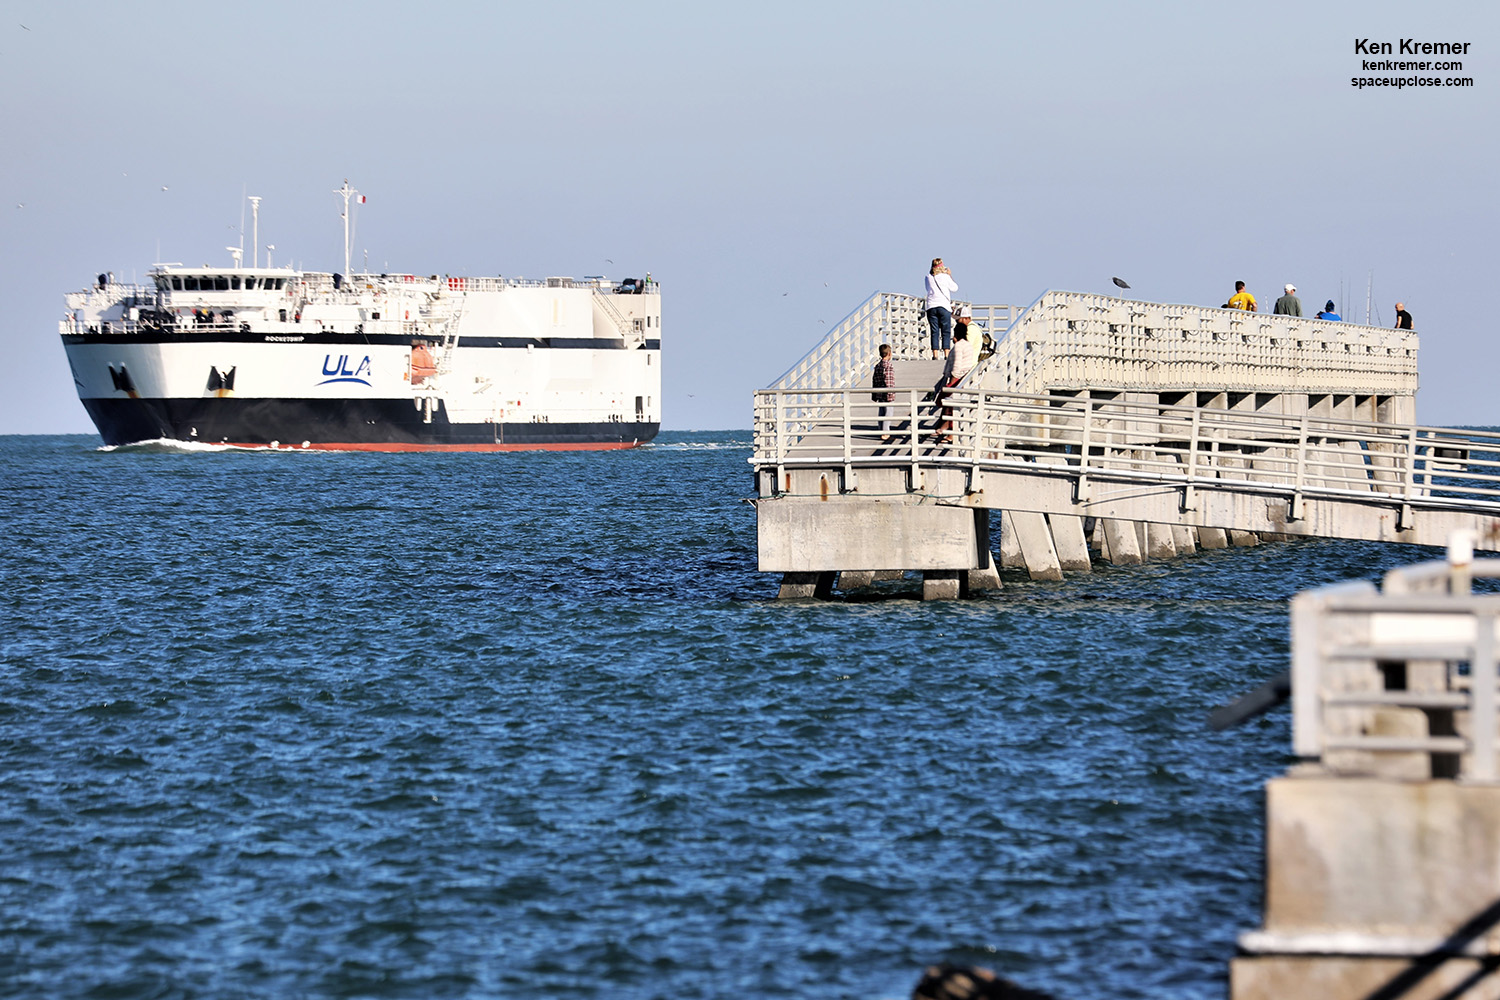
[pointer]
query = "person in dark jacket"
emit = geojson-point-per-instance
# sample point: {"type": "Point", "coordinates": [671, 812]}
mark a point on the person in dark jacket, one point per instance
{"type": "Point", "coordinates": [1403, 318]}
{"type": "Point", "coordinates": [884, 377]}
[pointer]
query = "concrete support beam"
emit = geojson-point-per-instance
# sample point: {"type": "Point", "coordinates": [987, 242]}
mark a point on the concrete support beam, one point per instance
{"type": "Point", "coordinates": [1122, 542]}
{"type": "Point", "coordinates": [1243, 539]}
{"type": "Point", "coordinates": [853, 579]}
{"type": "Point", "coordinates": [983, 579]}
{"type": "Point", "coordinates": [1345, 978]}
{"type": "Point", "coordinates": [808, 536]}
{"type": "Point", "coordinates": [1159, 542]}
{"type": "Point", "coordinates": [888, 574]}
{"type": "Point", "coordinates": [1072, 547]}
{"type": "Point", "coordinates": [1185, 538]}
{"type": "Point", "coordinates": [1375, 888]}
{"type": "Point", "coordinates": [1213, 538]}
{"type": "Point", "coordinates": [1036, 545]}
{"type": "Point", "coordinates": [987, 575]}
{"type": "Point", "coordinates": [806, 587]}
{"type": "Point", "coordinates": [941, 585]}
{"type": "Point", "coordinates": [1010, 545]}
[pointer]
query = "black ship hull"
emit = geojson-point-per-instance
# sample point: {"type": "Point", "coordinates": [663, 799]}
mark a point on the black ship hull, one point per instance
{"type": "Point", "coordinates": [344, 425]}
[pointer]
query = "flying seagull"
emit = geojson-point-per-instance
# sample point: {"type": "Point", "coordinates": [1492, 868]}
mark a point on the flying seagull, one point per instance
{"type": "Point", "coordinates": [1120, 282]}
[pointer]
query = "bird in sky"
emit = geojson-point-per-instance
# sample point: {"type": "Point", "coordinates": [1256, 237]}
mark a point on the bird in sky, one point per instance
{"type": "Point", "coordinates": [163, 187]}
{"type": "Point", "coordinates": [1120, 282]}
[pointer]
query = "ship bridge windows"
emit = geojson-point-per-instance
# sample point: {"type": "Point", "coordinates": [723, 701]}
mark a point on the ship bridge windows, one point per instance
{"type": "Point", "coordinates": [217, 283]}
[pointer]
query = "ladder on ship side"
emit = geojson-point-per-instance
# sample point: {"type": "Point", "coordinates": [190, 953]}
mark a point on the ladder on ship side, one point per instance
{"type": "Point", "coordinates": [450, 337]}
{"type": "Point", "coordinates": [626, 328]}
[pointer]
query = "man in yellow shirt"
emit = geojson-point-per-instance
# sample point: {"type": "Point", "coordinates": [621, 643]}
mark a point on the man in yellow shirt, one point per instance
{"type": "Point", "coordinates": [1241, 299]}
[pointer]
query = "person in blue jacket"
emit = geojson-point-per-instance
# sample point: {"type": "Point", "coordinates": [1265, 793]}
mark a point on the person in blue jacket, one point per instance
{"type": "Point", "coordinates": [1328, 312]}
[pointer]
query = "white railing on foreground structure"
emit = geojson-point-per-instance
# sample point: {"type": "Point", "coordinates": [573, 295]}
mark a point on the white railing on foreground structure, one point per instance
{"type": "Point", "coordinates": [851, 348]}
{"type": "Point", "coordinates": [1402, 682]}
{"type": "Point", "coordinates": [1089, 438]}
{"type": "Point", "coordinates": [1068, 340]}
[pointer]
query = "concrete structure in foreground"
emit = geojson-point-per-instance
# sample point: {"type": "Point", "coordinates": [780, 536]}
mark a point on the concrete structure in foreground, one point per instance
{"type": "Point", "coordinates": [1383, 846]}
{"type": "Point", "coordinates": [1135, 430]}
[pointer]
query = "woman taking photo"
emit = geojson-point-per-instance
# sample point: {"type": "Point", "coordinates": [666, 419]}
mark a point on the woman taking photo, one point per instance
{"type": "Point", "coordinates": [940, 289]}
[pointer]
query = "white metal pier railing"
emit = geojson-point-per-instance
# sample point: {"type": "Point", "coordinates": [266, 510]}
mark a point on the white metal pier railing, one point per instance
{"type": "Point", "coordinates": [1092, 437]}
{"type": "Point", "coordinates": [1403, 682]}
{"type": "Point", "coordinates": [1078, 340]}
{"type": "Point", "coordinates": [848, 351]}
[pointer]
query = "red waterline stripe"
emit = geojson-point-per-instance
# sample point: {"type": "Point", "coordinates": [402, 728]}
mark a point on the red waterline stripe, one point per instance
{"type": "Point", "coordinates": [392, 447]}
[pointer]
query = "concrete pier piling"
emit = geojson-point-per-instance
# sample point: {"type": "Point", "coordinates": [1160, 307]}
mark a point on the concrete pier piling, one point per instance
{"type": "Point", "coordinates": [1038, 552]}
{"type": "Point", "coordinates": [1122, 542]}
{"type": "Point", "coordinates": [1069, 542]}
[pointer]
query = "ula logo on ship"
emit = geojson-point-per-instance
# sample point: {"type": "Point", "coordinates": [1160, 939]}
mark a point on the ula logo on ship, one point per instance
{"type": "Point", "coordinates": [340, 370]}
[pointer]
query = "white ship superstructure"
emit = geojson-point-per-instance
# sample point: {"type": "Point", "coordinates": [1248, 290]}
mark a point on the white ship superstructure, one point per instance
{"type": "Point", "coordinates": [280, 356]}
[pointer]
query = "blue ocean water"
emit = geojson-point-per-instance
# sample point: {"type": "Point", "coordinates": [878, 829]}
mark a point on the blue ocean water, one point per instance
{"type": "Point", "coordinates": [345, 725]}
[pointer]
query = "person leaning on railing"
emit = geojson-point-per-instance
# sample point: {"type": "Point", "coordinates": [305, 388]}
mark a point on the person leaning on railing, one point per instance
{"type": "Point", "coordinates": [961, 361]}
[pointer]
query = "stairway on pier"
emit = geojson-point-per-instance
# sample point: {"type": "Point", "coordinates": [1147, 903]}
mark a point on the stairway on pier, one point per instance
{"type": "Point", "coordinates": [909, 374]}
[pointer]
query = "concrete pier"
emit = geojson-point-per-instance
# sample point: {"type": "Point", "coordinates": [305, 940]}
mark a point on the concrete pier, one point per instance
{"type": "Point", "coordinates": [1383, 846]}
{"type": "Point", "coordinates": [1173, 428]}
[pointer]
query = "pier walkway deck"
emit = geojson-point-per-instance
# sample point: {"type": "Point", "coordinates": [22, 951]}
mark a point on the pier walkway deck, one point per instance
{"type": "Point", "coordinates": [1127, 413]}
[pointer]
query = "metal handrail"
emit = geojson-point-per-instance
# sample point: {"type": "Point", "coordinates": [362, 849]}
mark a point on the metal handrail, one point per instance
{"type": "Point", "coordinates": [1177, 444]}
{"type": "Point", "coordinates": [1077, 340]}
{"type": "Point", "coordinates": [850, 349]}
{"type": "Point", "coordinates": [1445, 640]}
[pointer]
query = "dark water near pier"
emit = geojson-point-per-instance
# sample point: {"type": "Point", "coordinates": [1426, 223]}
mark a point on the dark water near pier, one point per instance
{"type": "Point", "coordinates": [323, 725]}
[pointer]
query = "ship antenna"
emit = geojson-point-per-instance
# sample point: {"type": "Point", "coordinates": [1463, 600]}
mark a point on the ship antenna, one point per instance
{"type": "Point", "coordinates": [348, 192]}
{"type": "Point", "coordinates": [255, 229]}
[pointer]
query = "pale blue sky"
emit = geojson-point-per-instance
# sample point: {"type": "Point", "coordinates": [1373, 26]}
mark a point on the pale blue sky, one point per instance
{"type": "Point", "coordinates": [739, 152]}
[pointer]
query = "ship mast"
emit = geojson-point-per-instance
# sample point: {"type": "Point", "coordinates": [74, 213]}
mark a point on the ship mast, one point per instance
{"type": "Point", "coordinates": [254, 230]}
{"type": "Point", "coordinates": [348, 192]}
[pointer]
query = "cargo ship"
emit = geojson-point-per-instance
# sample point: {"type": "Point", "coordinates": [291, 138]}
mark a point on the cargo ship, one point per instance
{"type": "Point", "coordinates": [280, 357]}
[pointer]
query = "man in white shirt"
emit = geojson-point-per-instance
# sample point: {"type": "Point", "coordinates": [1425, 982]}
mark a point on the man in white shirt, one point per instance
{"type": "Point", "coordinates": [940, 289]}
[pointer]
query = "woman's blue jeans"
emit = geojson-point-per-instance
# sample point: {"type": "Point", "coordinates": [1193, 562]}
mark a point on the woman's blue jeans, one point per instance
{"type": "Point", "coordinates": [941, 321]}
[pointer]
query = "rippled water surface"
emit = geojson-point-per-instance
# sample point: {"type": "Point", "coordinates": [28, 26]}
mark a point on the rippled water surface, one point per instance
{"type": "Point", "coordinates": [325, 725]}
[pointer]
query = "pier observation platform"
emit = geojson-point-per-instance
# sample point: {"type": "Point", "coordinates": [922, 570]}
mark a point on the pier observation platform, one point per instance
{"type": "Point", "coordinates": [1101, 426]}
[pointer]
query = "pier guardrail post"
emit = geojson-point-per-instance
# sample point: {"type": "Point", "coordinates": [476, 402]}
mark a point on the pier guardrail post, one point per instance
{"type": "Point", "coordinates": [848, 442]}
{"type": "Point", "coordinates": [1482, 682]}
{"type": "Point", "coordinates": [1294, 509]}
{"type": "Point", "coordinates": [1189, 495]}
{"type": "Point", "coordinates": [915, 433]}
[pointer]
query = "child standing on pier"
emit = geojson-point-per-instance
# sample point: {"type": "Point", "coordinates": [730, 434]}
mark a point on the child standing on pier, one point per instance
{"type": "Point", "coordinates": [884, 377]}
